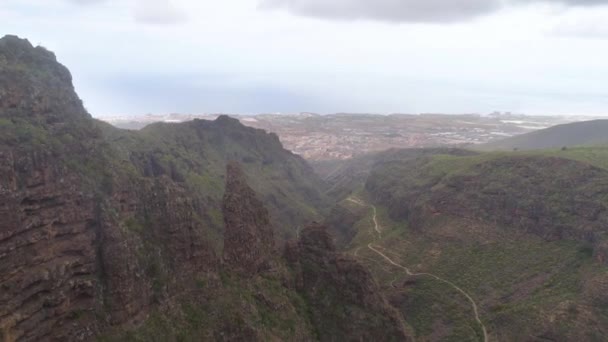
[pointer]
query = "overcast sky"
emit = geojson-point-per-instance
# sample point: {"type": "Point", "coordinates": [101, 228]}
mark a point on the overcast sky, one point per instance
{"type": "Point", "coordinates": [325, 56]}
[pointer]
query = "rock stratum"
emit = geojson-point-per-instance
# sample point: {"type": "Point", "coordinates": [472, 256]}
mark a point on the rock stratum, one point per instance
{"type": "Point", "coordinates": [119, 235]}
{"type": "Point", "coordinates": [248, 237]}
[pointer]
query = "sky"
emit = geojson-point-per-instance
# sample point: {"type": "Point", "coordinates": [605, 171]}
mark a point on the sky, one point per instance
{"type": "Point", "coordinates": [131, 57]}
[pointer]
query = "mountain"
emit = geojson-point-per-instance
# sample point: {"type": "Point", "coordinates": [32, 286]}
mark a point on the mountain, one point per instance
{"type": "Point", "coordinates": [524, 234]}
{"type": "Point", "coordinates": [567, 135]}
{"type": "Point", "coordinates": [194, 154]}
{"type": "Point", "coordinates": [205, 230]}
{"type": "Point", "coordinates": [174, 232]}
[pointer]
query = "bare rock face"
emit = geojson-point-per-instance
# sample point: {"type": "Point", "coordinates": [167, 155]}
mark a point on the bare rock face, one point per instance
{"type": "Point", "coordinates": [47, 251]}
{"type": "Point", "coordinates": [49, 288]}
{"type": "Point", "coordinates": [77, 255]}
{"type": "Point", "coordinates": [248, 235]}
{"type": "Point", "coordinates": [330, 282]}
{"type": "Point", "coordinates": [92, 243]}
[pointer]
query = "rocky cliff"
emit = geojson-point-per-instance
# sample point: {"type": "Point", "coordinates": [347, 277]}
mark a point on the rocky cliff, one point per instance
{"type": "Point", "coordinates": [84, 243]}
{"type": "Point", "coordinates": [343, 297]}
{"type": "Point", "coordinates": [49, 229]}
{"type": "Point", "coordinates": [120, 235]}
{"type": "Point", "coordinates": [248, 236]}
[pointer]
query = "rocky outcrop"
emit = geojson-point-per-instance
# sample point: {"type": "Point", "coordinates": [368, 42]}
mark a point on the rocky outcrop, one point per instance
{"type": "Point", "coordinates": [73, 260]}
{"type": "Point", "coordinates": [110, 232]}
{"type": "Point", "coordinates": [151, 248]}
{"type": "Point", "coordinates": [343, 297]}
{"type": "Point", "coordinates": [37, 90]}
{"type": "Point", "coordinates": [84, 244]}
{"type": "Point", "coordinates": [48, 262]}
{"type": "Point", "coordinates": [49, 223]}
{"type": "Point", "coordinates": [248, 235]}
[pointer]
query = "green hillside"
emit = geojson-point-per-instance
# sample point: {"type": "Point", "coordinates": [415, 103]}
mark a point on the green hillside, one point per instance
{"type": "Point", "coordinates": [524, 233]}
{"type": "Point", "coordinates": [195, 154]}
{"type": "Point", "coordinates": [574, 134]}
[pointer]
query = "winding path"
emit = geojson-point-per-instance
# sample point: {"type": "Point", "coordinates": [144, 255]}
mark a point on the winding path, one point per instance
{"type": "Point", "coordinates": [410, 273]}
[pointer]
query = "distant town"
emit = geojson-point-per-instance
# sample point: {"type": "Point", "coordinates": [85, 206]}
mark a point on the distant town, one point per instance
{"type": "Point", "coordinates": [342, 136]}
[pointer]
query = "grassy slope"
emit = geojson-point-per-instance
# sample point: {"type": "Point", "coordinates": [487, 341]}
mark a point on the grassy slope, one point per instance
{"type": "Point", "coordinates": [433, 309]}
{"type": "Point", "coordinates": [345, 176]}
{"type": "Point", "coordinates": [573, 134]}
{"type": "Point", "coordinates": [195, 154]}
{"type": "Point", "coordinates": [520, 283]}
{"type": "Point", "coordinates": [527, 287]}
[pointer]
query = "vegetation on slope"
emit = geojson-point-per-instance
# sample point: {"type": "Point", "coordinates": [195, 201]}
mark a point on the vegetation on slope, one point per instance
{"type": "Point", "coordinates": [194, 154]}
{"type": "Point", "coordinates": [122, 231]}
{"type": "Point", "coordinates": [523, 232]}
{"type": "Point", "coordinates": [567, 135]}
{"type": "Point", "coordinates": [343, 177]}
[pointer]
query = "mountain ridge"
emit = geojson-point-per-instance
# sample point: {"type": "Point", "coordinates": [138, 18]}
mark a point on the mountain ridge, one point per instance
{"type": "Point", "coordinates": [567, 135]}
{"type": "Point", "coordinates": [116, 235]}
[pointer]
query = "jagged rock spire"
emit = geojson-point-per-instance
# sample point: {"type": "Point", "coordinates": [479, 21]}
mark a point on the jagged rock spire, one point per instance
{"type": "Point", "coordinates": [248, 234]}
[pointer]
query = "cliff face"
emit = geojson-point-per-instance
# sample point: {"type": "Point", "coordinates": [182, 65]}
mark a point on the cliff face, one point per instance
{"type": "Point", "coordinates": [48, 262]}
{"type": "Point", "coordinates": [150, 246]}
{"type": "Point", "coordinates": [47, 95]}
{"type": "Point", "coordinates": [343, 297]}
{"type": "Point", "coordinates": [196, 153]}
{"type": "Point", "coordinates": [248, 236]}
{"type": "Point", "coordinates": [48, 231]}
{"type": "Point", "coordinates": [118, 234]}
{"type": "Point", "coordinates": [88, 240]}
{"type": "Point", "coordinates": [83, 244]}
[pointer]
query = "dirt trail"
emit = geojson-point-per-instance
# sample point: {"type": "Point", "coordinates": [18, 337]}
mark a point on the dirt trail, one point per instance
{"type": "Point", "coordinates": [412, 274]}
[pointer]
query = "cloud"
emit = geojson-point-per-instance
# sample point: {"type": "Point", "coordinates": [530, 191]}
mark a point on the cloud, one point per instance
{"type": "Point", "coordinates": [589, 23]}
{"type": "Point", "coordinates": [438, 11]}
{"type": "Point", "coordinates": [567, 3]}
{"type": "Point", "coordinates": [154, 12]}
{"type": "Point", "coordinates": [580, 2]}
{"type": "Point", "coordinates": [387, 10]}
{"type": "Point", "coordinates": [158, 12]}
{"type": "Point", "coordinates": [86, 2]}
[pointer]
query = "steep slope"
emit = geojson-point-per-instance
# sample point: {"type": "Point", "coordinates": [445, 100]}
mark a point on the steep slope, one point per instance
{"type": "Point", "coordinates": [194, 155]}
{"type": "Point", "coordinates": [249, 298]}
{"type": "Point", "coordinates": [118, 235]}
{"type": "Point", "coordinates": [86, 241]}
{"type": "Point", "coordinates": [248, 235]}
{"type": "Point", "coordinates": [523, 233]}
{"type": "Point", "coordinates": [311, 292]}
{"type": "Point", "coordinates": [567, 135]}
{"type": "Point", "coordinates": [555, 198]}
{"type": "Point", "coordinates": [50, 216]}
{"type": "Point", "coordinates": [343, 297]}
{"type": "Point", "coordinates": [345, 177]}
